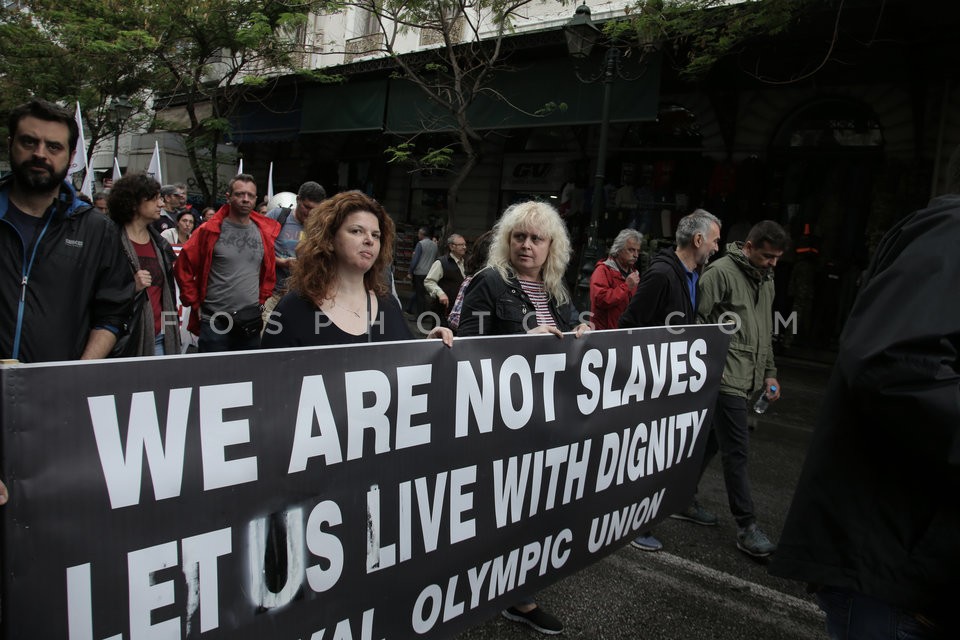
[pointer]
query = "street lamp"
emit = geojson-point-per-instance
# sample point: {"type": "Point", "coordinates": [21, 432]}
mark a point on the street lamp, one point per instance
{"type": "Point", "coordinates": [120, 110]}
{"type": "Point", "coordinates": [581, 34]}
{"type": "Point", "coordinates": [582, 37]}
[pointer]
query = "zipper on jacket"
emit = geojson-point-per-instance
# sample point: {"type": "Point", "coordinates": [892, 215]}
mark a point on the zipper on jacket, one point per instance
{"type": "Point", "coordinates": [25, 270]}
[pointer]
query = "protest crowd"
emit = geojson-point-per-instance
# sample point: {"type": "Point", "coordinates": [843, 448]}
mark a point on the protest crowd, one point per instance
{"type": "Point", "coordinates": [136, 273]}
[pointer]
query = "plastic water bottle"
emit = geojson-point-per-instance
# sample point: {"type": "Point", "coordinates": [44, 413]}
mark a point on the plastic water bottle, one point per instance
{"type": "Point", "coordinates": [764, 400]}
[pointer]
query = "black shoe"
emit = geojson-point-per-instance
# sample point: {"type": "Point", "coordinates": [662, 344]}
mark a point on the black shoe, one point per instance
{"type": "Point", "coordinates": [536, 618]}
{"type": "Point", "coordinates": [754, 542]}
{"type": "Point", "coordinates": [696, 514]}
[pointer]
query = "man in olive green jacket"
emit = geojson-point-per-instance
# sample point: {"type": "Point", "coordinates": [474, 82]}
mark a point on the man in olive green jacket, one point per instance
{"type": "Point", "coordinates": [738, 288]}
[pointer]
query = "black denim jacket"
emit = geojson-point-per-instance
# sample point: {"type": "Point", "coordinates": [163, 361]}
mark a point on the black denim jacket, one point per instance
{"type": "Point", "coordinates": [493, 306]}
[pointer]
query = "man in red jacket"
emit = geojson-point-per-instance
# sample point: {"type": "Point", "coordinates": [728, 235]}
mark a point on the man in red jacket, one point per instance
{"type": "Point", "coordinates": [614, 280]}
{"type": "Point", "coordinates": [226, 271]}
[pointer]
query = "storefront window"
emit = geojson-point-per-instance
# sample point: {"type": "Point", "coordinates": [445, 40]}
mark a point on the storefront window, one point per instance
{"type": "Point", "coordinates": [548, 139]}
{"type": "Point", "coordinates": [831, 123]}
{"type": "Point", "coordinates": [675, 127]}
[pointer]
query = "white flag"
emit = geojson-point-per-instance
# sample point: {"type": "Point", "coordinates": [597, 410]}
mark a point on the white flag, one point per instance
{"type": "Point", "coordinates": [116, 170]}
{"type": "Point", "coordinates": [87, 187]}
{"type": "Point", "coordinates": [79, 162]}
{"type": "Point", "coordinates": [153, 170]}
{"type": "Point", "coordinates": [270, 184]}
{"type": "Point", "coordinates": [240, 168]}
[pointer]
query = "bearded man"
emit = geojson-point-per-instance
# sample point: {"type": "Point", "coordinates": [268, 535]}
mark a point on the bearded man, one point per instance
{"type": "Point", "coordinates": [65, 286]}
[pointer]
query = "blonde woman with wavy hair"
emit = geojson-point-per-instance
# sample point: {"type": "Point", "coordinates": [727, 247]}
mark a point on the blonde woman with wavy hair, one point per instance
{"type": "Point", "coordinates": [543, 218]}
{"type": "Point", "coordinates": [521, 290]}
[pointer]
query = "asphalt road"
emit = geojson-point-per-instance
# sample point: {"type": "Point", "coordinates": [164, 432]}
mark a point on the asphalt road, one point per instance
{"type": "Point", "coordinates": [700, 586]}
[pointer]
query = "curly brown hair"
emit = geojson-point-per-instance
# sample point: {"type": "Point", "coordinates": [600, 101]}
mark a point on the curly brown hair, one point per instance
{"type": "Point", "coordinates": [314, 273]}
{"type": "Point", "coordinates": [127, 194]}
{"type": "Point", "coordinates": [477, 258]}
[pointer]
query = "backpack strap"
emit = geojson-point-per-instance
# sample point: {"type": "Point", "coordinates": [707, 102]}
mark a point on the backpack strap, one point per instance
{"type": "Point", "coordinates": [284, 214]}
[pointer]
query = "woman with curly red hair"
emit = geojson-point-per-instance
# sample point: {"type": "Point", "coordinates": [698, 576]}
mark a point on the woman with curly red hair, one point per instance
{"type": "Point", "coordinates": [338, 292]}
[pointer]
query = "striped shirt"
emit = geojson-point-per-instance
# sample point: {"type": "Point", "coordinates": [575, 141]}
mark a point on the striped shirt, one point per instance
{"type": "Point", "coordinates": [538, 296]}
{"type": "Point", "coordinates": [454, 318]}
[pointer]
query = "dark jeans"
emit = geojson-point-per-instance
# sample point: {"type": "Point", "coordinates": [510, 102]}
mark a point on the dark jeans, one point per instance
{"type": "Point", "coordinates": [729, 435]}
{"type": "Point", "coordinates": [854, 616]}
{"type": "Point", "coordinates": [212, 340]}
{"type": "Point", "coordinates": [420, 294]}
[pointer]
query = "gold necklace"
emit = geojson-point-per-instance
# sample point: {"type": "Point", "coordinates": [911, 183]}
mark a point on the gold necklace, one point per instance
{"type": "Point", "coordinates": [334, 301]}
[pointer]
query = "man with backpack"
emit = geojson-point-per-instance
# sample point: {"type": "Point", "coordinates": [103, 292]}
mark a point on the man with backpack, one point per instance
{"type": "Point", "coordinates": [291, 221]}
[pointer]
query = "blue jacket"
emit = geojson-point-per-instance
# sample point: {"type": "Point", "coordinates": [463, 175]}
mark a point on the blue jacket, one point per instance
{"type": "Point", "coordinates": [72, 279]}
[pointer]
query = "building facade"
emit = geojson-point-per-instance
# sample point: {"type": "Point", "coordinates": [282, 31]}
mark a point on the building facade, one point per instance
{"type": "Point", "coordinates": [835, 129]}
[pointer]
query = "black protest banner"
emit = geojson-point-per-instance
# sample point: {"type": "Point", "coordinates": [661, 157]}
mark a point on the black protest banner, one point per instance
{"type": "Point", "coordinates": [375, 491]}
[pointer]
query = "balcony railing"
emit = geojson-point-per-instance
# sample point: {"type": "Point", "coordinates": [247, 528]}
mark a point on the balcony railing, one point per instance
{"type": "Point", "coordinates": [363, 46]}
{"type": "Point", "coordinates": [432, 36]}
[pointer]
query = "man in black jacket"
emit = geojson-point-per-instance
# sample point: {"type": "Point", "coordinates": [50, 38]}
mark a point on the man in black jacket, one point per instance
{"type": "Point", "coordinates": [667, 292]}
{"type": "Point", "coordinates": [875, 520]}
{"type": "Point", "coordinates": [667, 295]}
{"type": "Point", "coordinates": [65, 287]}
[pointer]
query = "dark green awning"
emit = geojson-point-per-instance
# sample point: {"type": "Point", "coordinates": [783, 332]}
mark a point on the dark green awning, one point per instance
{"type": "Point", "coordinates": [275, 117]}
{"type": "Point", "coordinates": [399, 106]}
{"type": "Point", "coordinates": [530, 88]}
{"type": "Point", "coordinates": [354, 105]}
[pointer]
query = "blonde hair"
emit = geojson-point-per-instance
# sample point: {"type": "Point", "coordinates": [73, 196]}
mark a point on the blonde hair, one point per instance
{"type": "Point", "coordinates": [542, 219]}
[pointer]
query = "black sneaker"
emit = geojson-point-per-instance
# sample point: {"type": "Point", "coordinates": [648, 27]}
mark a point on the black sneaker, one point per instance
{"type": "Point", "coordinates": [754, 542]}
{"type": "Point", "coordinates": [536, 618]}
{"type": "Point", "coordinates": [696, 514]}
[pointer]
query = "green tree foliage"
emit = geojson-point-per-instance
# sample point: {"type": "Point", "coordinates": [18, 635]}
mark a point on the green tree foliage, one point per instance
{"type": "Point", "coordinates": [470, 49]}
{"type": "Point", "coordinates": [85, 51]}
{"type": "Point", "coordinates": [701, 32]}
{"type": "Point", "coordinates": [196, 61]}
{"type": "Point", "coordinates": [211, 56]}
